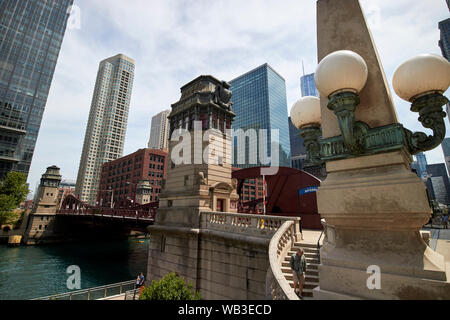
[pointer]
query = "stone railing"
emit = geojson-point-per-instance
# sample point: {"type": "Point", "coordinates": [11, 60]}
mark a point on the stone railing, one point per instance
{"type": "Point", "coordinates": [277, 286]}
{"type": "Point", "coordinates": [248, 224]}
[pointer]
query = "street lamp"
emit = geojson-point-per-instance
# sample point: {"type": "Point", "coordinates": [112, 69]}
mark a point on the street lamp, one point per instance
{"type": "Point", "coordinates": [129, 184]}
{"type": "Point", "coordinates": [341, 76]}
{"type": "Point", "coordinates": [306, 116]}
{"type": "Point", "coordinates": [422, 81]}
{"type": "Point", "coordinates": [112, 196]}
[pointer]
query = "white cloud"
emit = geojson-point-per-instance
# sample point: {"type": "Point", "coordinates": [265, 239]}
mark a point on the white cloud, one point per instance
{"type": "Point", "coordinates": [174, 41]}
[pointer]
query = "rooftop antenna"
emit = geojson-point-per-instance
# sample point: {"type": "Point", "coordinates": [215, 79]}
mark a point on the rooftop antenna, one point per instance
{"type": "Point", "coordinates": [303, 67]}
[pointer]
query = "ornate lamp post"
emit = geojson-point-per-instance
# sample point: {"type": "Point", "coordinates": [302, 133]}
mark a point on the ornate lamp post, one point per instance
{"type": "Point", "coordinates": [341, 76]}
{"type": "Point", "coordinates": [422, 81]}
{"type": "Point", "coordinates": [374, 206]}
{"type": "Point", "coordinates": [305, 115]}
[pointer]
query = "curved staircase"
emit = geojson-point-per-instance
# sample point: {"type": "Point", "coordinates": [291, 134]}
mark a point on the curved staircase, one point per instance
{"type": "Point", "coordinates": [286, 241]}
{"type": "Point", "coordinates": [311, 253]}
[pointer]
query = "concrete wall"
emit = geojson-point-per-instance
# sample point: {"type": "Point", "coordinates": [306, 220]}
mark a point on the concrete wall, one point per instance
{"type": "Point", "coordinates": [220, 265]}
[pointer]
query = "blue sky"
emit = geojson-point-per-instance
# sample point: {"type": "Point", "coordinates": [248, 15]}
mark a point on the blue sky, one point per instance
{"type": "Point", "coordinates": [174, 41]}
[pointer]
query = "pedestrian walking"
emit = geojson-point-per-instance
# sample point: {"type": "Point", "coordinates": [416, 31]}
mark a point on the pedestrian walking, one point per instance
{"type": "Point", "coordinates": [444, 219]}
{"type": "Point", "coordinates": [298, 267]}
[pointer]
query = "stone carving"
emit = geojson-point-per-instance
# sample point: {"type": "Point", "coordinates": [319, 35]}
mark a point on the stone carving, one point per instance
{"type": "Point", "coordinates": [234, 183]}
{"type": "Point", "coordinates": [432, 117]}
{"type": "Point", "coordinates": [222, 96]}
{"type": "Point", "coordinates": [201, 179]}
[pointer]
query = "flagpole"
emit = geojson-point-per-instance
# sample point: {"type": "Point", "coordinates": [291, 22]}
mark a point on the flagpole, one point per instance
{"type": "Point", "coordinates": [264, 194]}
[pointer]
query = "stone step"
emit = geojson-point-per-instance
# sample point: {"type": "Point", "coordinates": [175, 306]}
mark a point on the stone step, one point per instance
{"type": "Point", "coordinates": [313, 266]}
{"type": "Point", "coordinates": [307, 293]}
{"type": "Point", "coordinates": [307, 250]}
{"type": "Point", "coordinates": [305, 245]}
{"type": "Point", "coordinates": [312, 272]}
{"type": "Point", "coordinates": [308, 286]}
{"type": "Point", "coordinates": [308, 260]}
{"type": "Point", "coordinates": [309, 278]}
{"type": "Point", "coordinates": [306, 254]}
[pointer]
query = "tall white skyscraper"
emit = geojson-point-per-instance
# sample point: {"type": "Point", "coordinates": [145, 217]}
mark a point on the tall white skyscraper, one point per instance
{"type": "Point", "coordinates": [107, 124]}
{"type": "Point", "coordinates": [159, 132]}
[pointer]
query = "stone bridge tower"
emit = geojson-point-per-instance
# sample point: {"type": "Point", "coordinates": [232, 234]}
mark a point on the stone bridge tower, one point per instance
{"type": "Point", "coordinates": [199, 167]}
{"type": "Point", "coordinates": [198, 177]}
{"type": "Point", "coordinates": [41, 223]}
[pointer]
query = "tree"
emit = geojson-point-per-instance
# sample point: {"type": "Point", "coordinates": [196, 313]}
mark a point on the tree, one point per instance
{"type": "Point", "coordinates": [7, 205]}
{"type": "Point", "coordinates": [171, 287]}
{"type": "Point", "coordinates": [13, 190]}
{"type": "Point", "coordinates": [15, 185]}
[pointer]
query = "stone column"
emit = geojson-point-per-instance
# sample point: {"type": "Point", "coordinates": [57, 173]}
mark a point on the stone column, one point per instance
{"type": "Point", "coordinates": [374, 205]}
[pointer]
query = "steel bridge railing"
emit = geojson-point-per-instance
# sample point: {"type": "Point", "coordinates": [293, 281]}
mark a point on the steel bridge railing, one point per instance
{"type": "Point", "coordinates": [95, 293]}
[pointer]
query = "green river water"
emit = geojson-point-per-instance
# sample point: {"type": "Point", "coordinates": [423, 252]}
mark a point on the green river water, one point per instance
{"type": "Point", "coordinates": [32, 272]}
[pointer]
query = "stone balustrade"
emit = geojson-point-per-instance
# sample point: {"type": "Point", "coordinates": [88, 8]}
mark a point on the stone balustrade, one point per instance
{"type": "Point", "coordinates": [277, 286]}
{"type": "Point", "coordinates": [248, 224]}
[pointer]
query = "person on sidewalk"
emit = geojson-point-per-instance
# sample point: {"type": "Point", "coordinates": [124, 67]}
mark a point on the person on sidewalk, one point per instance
{"type": "Point", "coordinates": [444, 219]}
{"type": "Point", "coordinates": [138, 280]}
{"type": "Point", "coordinates": [141, 280]}
{"type": "Point", "coordinates": [298, 267]}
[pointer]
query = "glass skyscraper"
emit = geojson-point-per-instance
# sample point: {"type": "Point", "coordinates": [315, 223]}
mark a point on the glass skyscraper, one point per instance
{"type": "Point", "coordinates": [107, 124]}
{"type": "Point", "coordinates": [308, 86]}
{"type": "Point", "coordinates": [446, 150]}
{"type": "Point", "coordinates": [31, 34]}
{"type": "Point", "coordinates": [444, 42]}
{"type": "Point", "coordinates": [421, 165]}
{"type": "Point", "coordinates": [259, 101]}
{"type": "Point", "coordinates": [298, 149]}
{"type": "Point", "coordinates": [438, 183]}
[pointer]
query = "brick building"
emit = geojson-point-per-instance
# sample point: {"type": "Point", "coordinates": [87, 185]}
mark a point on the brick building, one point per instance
{"type": "Point", "coordinates": [252, 189]}
{"type": "Point", "coordinates": [119, 179]}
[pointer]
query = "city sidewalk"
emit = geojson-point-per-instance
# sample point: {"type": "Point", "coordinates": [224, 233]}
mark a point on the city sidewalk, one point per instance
{"type": "Point", "coordinates": [440, 242]}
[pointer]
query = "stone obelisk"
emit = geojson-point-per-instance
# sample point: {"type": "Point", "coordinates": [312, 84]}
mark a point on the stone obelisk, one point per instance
{"type": "Point", "coordinates": [374, 206]}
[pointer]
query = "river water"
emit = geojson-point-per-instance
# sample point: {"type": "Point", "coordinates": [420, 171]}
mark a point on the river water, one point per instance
{"type": "Point", "coordinates": [32, 272]}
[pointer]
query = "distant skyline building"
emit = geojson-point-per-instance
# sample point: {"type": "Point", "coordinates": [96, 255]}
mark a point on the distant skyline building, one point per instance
{"type": "Point", "coordinates": [308, 86]}
{"type": "Point", "coordinates": [298, 151]}
{"type": "Point", "coordinates": [31, 34]}
{"type": "Point", "coordinates": [444, 42]}
{"type": "Point", "coordinates": [438, 183]}
{"type": "Point", "coordinates": [107, 124]}
{"type": "Point", "coordinates": [123, 176]}
{"type": "Point", "coordinates": [446, 151]}
{"type": "Point", "coordinates": [159, 132]}
{"type": "Point", "coordinates": [259, 101]}
{"type": "Point", "coordinates": [422, 165]}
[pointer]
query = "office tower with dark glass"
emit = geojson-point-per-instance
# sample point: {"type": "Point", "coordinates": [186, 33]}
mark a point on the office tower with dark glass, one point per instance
{"type": "Point", "coordinates": [444, 42]}
{"type": "Point", "coordinates": [31, 34]}
{"type": "Point", "coordinates": [438, 183]}
{"type": "Point", "coordinates": [446, 151]}
{"type": "Point", "coordinates": [298, 151]}
{"type": "Point", "coordinates": [259, 101]}
{"type": "Point", "coordinates": [107, 124]}
{"type": "Point", "coordinates": [422, 165]}
{"type": "Point", "coordinates": [308, 86]}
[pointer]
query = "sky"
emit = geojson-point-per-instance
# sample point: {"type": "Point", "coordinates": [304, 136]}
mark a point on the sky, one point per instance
{"type": "Point", "coordinates": [174, 41]}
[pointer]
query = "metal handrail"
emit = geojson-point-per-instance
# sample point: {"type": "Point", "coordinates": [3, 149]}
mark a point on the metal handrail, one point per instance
{"type": "Point", "coordinates": [89, 291]}
{"type": "Point", "coordinates": [318, 245]}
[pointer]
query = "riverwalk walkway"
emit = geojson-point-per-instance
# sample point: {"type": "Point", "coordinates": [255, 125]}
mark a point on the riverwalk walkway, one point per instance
{"type": "Point", "coordinates": [440, 242]}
